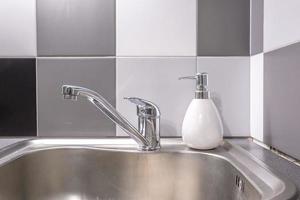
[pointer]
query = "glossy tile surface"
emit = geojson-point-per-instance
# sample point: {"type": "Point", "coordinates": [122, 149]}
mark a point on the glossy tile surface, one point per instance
{"type": "Point", "coordinates": [156, 27]}
{"type": "Point", "coordinates": [223, 28]}
{"type": "Point", "coordinates": [18, 99]}
{"type": "Point", "coordinates": [256, 26]}
{"type": "Point", "coordinates": [18, 28]}
{"type": "Point", "coordinates": [281, 99]}
{"type": "Point", "coordinates": [58, 117]}
{"type": "Point", "coordinates": [75, 27]}
{"type": "Point", "coordinates": [257, 96]}
{"type": "Point", "coordinates": [281, 23]}
{"type": "Point", "coordinates": [156, 79]}
{"type": "Point", "coordinates": [229, 83]}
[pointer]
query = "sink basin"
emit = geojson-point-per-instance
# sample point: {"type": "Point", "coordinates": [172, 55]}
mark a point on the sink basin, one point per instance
{"type": "Point", "coordinates": [112, 169]}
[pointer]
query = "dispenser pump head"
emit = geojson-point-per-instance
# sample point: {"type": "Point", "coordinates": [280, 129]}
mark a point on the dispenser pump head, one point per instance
{"type": "Point", "coordinates": [201, 85]}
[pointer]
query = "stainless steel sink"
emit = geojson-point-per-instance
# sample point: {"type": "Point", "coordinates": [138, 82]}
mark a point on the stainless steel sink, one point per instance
{"type": "Point", "coordinates": [111, 169]}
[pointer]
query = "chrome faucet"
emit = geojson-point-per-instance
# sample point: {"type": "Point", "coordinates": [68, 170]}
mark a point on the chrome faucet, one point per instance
{"type": "Point", "coordinates": [147, 136]}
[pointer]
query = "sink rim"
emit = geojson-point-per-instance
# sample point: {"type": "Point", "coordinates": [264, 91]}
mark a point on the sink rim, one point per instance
{"type": "Point", "coordinates": [276, 188]}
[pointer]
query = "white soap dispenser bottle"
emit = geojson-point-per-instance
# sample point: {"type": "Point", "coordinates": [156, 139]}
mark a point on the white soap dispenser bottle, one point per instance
{"type": "Point", "coordinates": [202, 126]}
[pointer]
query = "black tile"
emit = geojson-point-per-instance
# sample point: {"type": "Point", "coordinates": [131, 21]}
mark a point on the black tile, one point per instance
{"type": "Point", "coordinates": [18, 97]}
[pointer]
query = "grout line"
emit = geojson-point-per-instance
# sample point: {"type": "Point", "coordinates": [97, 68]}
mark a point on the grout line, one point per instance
{"type": "Point", "coordinates": [116, 26]}
{"type": "Point", "coordinates": [17, 57]}
{"type": "Point", "coordinates": [281, 46]}
{"type": "Point", "coordinates": [250, 27]}
{"type": "Point", "coordinates": [277, 152]}
{"type": "Point", "coordinates": [285, 156]}
{"type": "Point", "coordinates": [263, 26]}
{"type": "Point", "coordinates": [224, 56]}
{"type": "Point", "coordinates": [197, 27]}
{"type": "Point", "coordinates": [36, 25]}
{"type": "Point", "coordinates": [260, 143]}
{"type": "Point", "coordinates": [255, 54]}
{"type": "Point", "coordinates": [156, 56]}
{"type": "Point", "coordinates": [73, 57]}
{"type": "Point", "coordinates": [37, 99]}
{"type": "Point", "coordinates": [36, 64]}
{"type": "Point", "coordinates": [105, 57]}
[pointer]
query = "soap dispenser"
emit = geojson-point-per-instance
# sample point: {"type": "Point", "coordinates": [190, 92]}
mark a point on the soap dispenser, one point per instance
{"type": "Point", "coordinates": [202, 126]}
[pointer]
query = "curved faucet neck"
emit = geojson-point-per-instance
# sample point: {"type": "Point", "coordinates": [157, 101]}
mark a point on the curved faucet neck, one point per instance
{"type": "Point", "coordinates": [72, 92]}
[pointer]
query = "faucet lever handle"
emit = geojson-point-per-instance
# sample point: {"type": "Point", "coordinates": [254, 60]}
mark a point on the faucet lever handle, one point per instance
{"type": "Point", "coordinates": [137, 101]}
{"type": "Point", "coordinates": [187, 77]}
{"type": "Point", "coordinates": [144, 107]}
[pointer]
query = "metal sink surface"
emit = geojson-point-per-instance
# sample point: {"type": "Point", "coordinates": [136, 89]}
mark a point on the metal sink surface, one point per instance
{"type": "Point", "coordinates": [112, 169]}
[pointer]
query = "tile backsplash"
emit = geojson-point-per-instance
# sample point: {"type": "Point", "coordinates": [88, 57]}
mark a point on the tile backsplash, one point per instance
{"type": "Point", "coordinates": [229, 82]}
{"type": "Point", "coordinates": [156, 79]}
{"type": "Point", "coordinates": [58, 117]}
{"type": "Point", "coordinates": [281, 99]}
{"type": "Point", "coordinates": [122, 48]}
{"type": "Point", "coordinates": [223, 27]}
{"type": "Point", "coordinates": [281, 23]}
{"type": "Point", "coordinates": [18, 97]}
{"type": "Point", "coordinates": [156, 27]}
{"type": "Point", "coordinates": [74, 28]}
{"type": "Point", "coordinates": [18, 28]}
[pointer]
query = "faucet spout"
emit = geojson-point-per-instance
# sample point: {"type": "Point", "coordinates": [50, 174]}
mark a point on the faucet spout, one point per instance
{"type": "Point", "coordinates": [72, 92]}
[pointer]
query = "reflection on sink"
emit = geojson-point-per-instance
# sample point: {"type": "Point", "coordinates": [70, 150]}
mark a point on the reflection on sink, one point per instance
{"type": "Point", "coordinates": [110, 169]}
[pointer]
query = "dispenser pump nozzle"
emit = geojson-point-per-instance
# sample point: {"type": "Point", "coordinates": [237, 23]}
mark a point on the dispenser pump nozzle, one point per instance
{"type": "Point", "coordinates": [201, 85]}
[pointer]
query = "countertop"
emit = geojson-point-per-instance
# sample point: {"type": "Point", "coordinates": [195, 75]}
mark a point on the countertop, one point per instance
{"type": "Point", "coordinates": [283, 166]}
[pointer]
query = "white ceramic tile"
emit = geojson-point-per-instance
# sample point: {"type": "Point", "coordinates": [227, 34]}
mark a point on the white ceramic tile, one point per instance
{"type": "Point", "coordinates": [256, 96]}
{"type": "Point", "coordinates": [281, 23]}
{"type": "Point", "coordinates": [156, 27]}
{"type": "Point", "coordinates": [229, 83]}
{"type": "Point", "coordinates": [156, 79]}
{"type": "Point", "coordinates": [58, 117]}
{"type": "Point", "coordinates": [18, 28]}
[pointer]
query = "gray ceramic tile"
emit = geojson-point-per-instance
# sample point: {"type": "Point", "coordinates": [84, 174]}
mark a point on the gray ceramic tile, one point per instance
{"type": "Point", "coordinates": [156, 79]}
{"type": "Point", "coordinates": [229, 83]}
{"type": "Point", "coordinates": [58, 117]}
{"type": "Point", "coordinates": [223, 27]}
{"type": "Point", "coordinates": [282, 99]}
{"type": "Point", "coordinates": [156, 27]}
{"type": "Point", "coordinates": [18, 28]}
{"type": "Point", "coordinates": [257, 26]}
{"type": "Point", "coordinates": [75, 27]}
